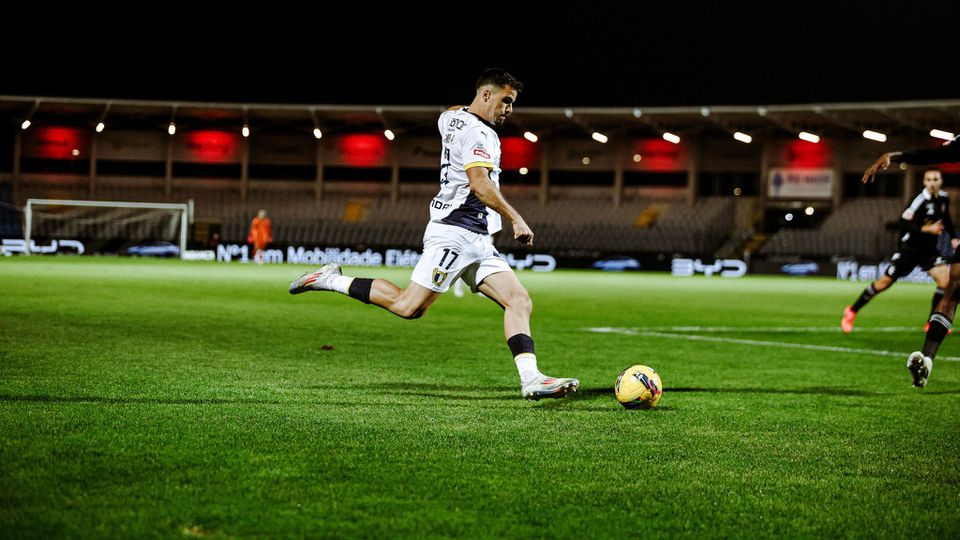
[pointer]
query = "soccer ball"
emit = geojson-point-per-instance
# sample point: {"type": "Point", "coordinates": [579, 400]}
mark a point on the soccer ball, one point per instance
{"type": "Point", "coordinates": [639, 387]}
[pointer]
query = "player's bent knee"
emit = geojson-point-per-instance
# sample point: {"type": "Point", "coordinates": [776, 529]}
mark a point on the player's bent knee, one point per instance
{"type": "Point", "coordinates": [409, 311]}
{"type": "Point", "coordinates": [521, 300]}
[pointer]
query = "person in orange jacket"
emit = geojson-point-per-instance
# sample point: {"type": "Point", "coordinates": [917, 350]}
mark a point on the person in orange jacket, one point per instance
{"type": "Point", "coordinates": [260, 235]}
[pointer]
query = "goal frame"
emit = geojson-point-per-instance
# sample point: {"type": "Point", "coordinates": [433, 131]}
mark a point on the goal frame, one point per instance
{"type": "Point", "coordinates": [186, 213]}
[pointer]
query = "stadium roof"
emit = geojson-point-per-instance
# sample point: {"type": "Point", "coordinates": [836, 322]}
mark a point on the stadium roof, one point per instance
{"type": "Point", "coordinates": [825, 119]}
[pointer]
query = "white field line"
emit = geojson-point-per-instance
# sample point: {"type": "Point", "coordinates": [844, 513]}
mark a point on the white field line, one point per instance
{"type": "Point", "coordinates": [769, 329]}
{"type": "Point", "coordinates": [755, 342]}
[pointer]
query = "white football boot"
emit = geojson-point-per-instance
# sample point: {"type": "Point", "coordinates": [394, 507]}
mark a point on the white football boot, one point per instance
{"type": "Point", "coordinates": [318, 280]}
{"type": "Point", "coordinates": [920, 367]}
{"type": "Point", "coordinates": [549, 387]}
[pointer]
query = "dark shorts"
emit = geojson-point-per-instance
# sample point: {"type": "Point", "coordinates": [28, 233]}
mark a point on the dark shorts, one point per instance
{"type": "Point", "coordinates": [906, 258]}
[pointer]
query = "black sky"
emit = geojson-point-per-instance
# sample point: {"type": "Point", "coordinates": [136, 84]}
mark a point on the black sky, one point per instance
{"type": "Point", "coordinates": [587, 54]}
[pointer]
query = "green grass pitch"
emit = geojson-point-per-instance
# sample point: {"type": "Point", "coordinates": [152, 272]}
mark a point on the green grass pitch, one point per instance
{"type": "Point", "coordinates": [163, 399]}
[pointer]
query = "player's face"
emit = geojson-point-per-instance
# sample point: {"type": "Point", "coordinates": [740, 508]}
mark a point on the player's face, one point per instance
{"type": "Point", "coordinates": [933, 181]}
{"type": "Point", "coordinates": [501, 104]}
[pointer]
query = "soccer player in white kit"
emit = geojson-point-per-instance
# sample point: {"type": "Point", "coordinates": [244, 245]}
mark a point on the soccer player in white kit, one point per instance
{"type": "Point", "coordinates": [457, 241]}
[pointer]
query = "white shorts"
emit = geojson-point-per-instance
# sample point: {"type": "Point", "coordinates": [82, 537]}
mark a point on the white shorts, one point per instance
{"type": "Point", "coordinates": [451, 252]}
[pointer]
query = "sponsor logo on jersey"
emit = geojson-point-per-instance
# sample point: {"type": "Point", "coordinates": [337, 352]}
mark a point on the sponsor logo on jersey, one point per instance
{"type": "Point", "coordinates": [439, 276]}
{"type": "Point", "coordinates": [481, 153]}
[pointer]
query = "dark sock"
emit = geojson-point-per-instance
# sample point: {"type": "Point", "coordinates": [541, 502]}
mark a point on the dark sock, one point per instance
{"type": "Point", "coordinates": [939, 326]}
{"type": "Point", "coordinates": [519, 344]}
{"type": "Point", "coordinates": [360, 289]}
{"type": "Point", "coordinates": [937, 296]}
{"type": "Point", "coordinates": [865, 297]}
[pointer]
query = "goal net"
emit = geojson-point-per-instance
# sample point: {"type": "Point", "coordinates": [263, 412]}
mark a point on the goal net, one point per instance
{"type": "Point", "coordinates": [108, 226]}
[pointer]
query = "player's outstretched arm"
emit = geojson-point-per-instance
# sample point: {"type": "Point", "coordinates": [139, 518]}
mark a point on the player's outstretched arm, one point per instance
{"type": "Point", "coordinates": [947, 153]}
{"type": "Point", "coordinates": [880, 164]}
{"type": "Point", "coordinates": [487, 192]}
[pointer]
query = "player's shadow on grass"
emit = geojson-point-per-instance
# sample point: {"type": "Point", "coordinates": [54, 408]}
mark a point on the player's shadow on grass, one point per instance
{"type": "Point", "coordinates": [594, 393]}
{"type": "Point", "coordinates": [141, 400]}
{"type": "Point", "coordinates": [577, 402]}
{"type": "Point", "coordinates": [754, 390]}
{"type": "Point", "coordinates": [411, 386]}
{"type": "Point", "coordinates": [429, 390]}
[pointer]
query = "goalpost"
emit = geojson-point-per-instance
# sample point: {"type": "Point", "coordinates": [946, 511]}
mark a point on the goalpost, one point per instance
{"type": "Point", "coordinates": [130, 220]}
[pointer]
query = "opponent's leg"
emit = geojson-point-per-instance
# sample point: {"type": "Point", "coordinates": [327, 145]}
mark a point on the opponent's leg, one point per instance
{"type": "Point", "coordinates": [920, 363]}
{"type": "Point", "coordinates": [850, 313]}
{"type": "Point", "coordinates": [941, 276]}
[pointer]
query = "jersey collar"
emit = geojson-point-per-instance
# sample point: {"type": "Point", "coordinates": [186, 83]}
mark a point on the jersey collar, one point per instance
{"type": "Point", "coordinates": [480, 118]}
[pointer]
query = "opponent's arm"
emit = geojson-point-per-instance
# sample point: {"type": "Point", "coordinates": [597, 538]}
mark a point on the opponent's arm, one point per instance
{"type": "Point", "coordinates": [911, 220]}
{"type": "Point", "coordinates": [948, 225]}
{"type": "Point", "coordinates": [947, 153]}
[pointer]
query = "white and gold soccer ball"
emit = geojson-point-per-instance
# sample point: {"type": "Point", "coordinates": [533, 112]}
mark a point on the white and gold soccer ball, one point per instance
{"type": "Point", "coordinates": [639, 387]}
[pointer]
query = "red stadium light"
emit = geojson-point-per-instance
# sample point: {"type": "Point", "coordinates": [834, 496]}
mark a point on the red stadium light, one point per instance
{"type": "Point", "coordinates": [56, 143]}
{"type": "Point", "coordinates": [807, 155]}
{"type": "Point", "coordinates": [363, 150]}
{"type": "Point", "coordinates": [657, 155]}
{"type": "Point", "coordinates": [210, 146]}
{"type": "Point", "coordinates": [517, 152]}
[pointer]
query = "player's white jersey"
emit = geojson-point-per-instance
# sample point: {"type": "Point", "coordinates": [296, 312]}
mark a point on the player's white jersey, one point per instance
{"type": "Point", "coordinates": [468, 141]}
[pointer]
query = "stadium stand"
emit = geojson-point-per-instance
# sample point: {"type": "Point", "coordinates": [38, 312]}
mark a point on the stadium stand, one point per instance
{"type": "Point", "coordinates": [349, 189]}
{"type": "Point", "coordinates": [862, 227]}
{"type": "Point", "coordinates": [345, 219]}
{"type": "Point", "coordinates": [9, 217]}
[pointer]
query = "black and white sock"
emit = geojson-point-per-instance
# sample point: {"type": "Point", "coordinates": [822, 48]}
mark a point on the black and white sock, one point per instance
{"type": "Point", "coordinates": [935, 301]}
{"type": "Point", "coordinates": [865, 297]}
{"type": "Point", "coordinates": [521, 345]}
{"type": "Point", "coordinates": [939, 326]}
{"type": "Point", "coordinates": [359, 288]}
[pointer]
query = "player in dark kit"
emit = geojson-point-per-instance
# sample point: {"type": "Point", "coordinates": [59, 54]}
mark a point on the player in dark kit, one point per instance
{"type": "Point", "coordinates": [920, 363]}
{"type": "Point", "coordinates": [921, 223]}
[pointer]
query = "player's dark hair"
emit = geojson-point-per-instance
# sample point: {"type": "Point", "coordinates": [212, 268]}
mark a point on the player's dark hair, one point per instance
{"type": "Point", "coordinates": [499, 77]}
